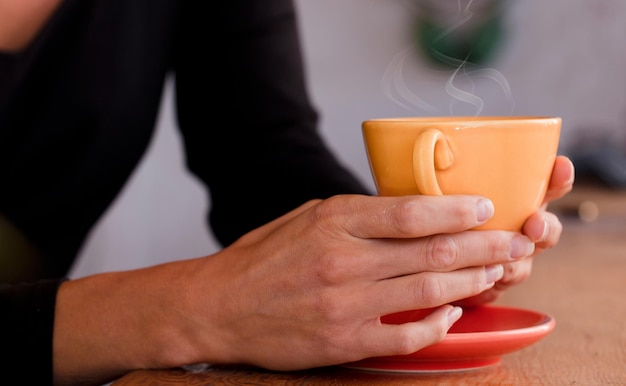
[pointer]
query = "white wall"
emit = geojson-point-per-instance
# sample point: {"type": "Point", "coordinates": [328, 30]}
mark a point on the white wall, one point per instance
{"type": "Point", "coordinates": [159, 216]}
{"type": "Point", "coordinates": [559, 57]}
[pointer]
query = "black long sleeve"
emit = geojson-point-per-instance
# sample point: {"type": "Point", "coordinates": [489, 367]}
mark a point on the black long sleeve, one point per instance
{"type": "Point", "coordinates": [26, 326]}
{"type": "Point", "coordinates": [78, 109]}
{"type": "Point", "coordinates": [255, 141]}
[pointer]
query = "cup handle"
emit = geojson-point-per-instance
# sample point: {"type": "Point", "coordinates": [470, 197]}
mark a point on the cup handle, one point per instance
{"type": "Point", "coordinates": [431, 151]}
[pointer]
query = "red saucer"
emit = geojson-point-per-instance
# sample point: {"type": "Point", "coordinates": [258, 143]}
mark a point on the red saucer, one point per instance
{"type": "Point", "coordinates": [477, 340]}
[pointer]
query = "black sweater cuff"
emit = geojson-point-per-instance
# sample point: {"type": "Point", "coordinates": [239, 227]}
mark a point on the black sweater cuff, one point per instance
{"type": "Point", "coordinates": [27, 325]}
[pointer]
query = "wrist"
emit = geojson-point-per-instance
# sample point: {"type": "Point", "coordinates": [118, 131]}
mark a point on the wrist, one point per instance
{"type": "Point", "coordinates": [111, 323]}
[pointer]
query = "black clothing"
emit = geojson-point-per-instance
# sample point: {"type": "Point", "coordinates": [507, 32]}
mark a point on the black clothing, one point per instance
{"type": "Point", "coordinates": [78, 108]}
{"type": "Point", "coordinates": [27, 322]}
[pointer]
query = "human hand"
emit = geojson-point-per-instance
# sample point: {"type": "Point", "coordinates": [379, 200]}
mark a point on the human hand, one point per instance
{"type": "Point", "coordinates": [543, 228]}
{"type": "Point", "coordinates": [308, 289]}
{"type": "Point", "coordinates": [305, 290]}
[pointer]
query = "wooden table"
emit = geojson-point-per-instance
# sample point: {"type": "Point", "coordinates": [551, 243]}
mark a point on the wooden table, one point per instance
{"type": "Point", "coordinates": [581, 283]}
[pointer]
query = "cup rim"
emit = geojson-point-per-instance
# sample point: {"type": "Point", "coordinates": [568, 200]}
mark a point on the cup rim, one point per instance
{"type": "Point", "coordinates": [487, 118]}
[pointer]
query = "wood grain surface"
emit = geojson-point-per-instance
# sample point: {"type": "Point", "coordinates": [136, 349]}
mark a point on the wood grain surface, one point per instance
{"type": "Point", "coordinates": [581, 283]}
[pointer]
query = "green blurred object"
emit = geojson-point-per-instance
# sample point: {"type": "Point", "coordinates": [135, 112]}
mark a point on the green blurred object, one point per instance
{"type": "Point", "coordinates": [452, 33]}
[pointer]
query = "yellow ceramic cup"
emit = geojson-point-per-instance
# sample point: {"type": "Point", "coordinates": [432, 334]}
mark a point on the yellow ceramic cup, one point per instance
{"type": "Point", "coordinates": [507, 159]}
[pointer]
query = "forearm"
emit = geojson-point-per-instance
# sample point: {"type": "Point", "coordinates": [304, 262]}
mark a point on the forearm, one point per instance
{"type": "Point", "coordinates": [108, 324]}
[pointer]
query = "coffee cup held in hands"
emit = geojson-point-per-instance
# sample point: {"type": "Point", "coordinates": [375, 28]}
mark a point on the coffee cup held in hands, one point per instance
{"type": "Point", "coordinates": [506, 159]}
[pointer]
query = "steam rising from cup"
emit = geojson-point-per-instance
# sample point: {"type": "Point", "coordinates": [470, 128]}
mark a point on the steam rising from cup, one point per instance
{"type": "Point", "coordinates": [460, 85]}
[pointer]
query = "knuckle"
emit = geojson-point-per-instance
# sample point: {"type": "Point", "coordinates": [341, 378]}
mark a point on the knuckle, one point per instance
{"type": "Point", "coordinates": [332, 341]}
{"type": "Point", "coordinates": [330, 309]}
{"type": "Point", "coordinates": [465, 215]}
{"type": "Point", "coordinates": [333, 335]}
{"type": "Point", "coordinates": [328, 211]}
{"type": "Point", "coordinates": [406, 217]}
{"type": "Point", "coordinates": [498, 246]}
{"type": "Point", "coordinates": [474, 282]}
{"type": "Point", "coordinates": [331, 269]}
{"type": "Point", "coordinates": [427, 290]}
{"type": "Point", "coordinates": [324, 211]}
{"type": "Point", "coordinates": [409, 341]}
{"type": "Point", "coordinates": [517, 272]}
{"type": "Point", "coordinates": [438, 332]}
{"type": "Point", "coordinates": [413, 216]}
{"type": "Point", "coordinates": [442, 252]}
{"type": "Point", "coordinates": [478, 282]}
{"type": "Point", "coordinates": [511, 271]}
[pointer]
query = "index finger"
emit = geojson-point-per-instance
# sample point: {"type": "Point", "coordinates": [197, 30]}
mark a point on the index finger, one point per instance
{"type": "Point", "coordinates": [406, 216]}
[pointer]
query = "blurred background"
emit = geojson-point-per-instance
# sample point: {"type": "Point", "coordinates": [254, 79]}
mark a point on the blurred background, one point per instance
{"type": "Point", "coordinates": [385, 58]}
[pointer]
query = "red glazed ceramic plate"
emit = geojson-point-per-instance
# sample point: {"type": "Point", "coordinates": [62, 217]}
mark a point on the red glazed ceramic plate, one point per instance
{"type": "Point", "coordinates": [477, 340]}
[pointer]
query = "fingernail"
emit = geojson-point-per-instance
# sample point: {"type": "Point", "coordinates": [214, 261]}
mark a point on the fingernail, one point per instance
{"type": "Point", "coordinates": [453, 315]}
{"type": "Point", "coordinates": [484, 210]}
{"type": "Point", "coordinates": [546, 230]}
{"type": "Point", "coordinates": [572, 177]}
{"type": "Point", "coordinates": [493, 273]}
{"type": "Point", "coordinates": [521, 246]}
